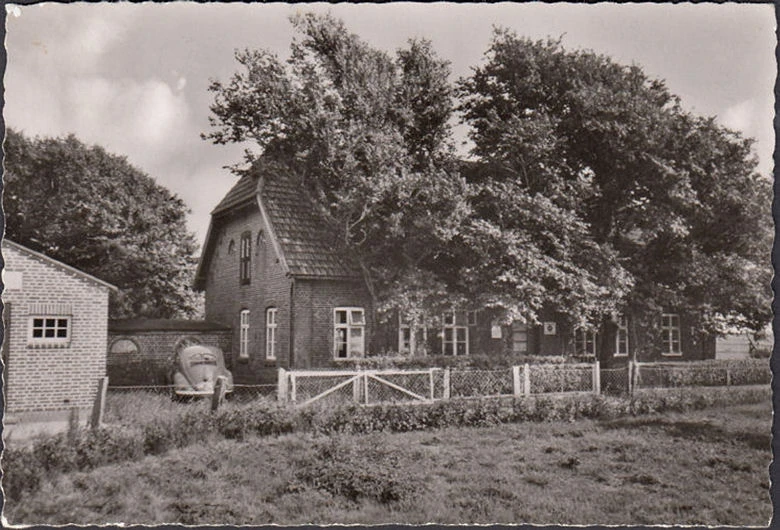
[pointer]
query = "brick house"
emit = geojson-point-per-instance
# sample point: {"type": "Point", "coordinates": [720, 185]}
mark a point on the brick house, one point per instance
{"type": "Point", "coordinates": [272, 273]}
{"type": "Point", "coordinates": [140, 351]}
{"type": "Point", "coordinates": [55, 328]}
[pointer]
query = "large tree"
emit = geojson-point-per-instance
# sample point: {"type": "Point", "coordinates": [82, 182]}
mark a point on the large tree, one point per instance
{"type": "Point", "coordinates": [368, 134]}
{"type": "Point", "coordinates": [96, 212]}
{"type": "Point", "coordinates": [673, 197]}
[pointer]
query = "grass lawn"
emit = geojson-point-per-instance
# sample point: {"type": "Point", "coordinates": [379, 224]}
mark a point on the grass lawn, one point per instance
{"type": "Point", "coordinates": [706, 467]}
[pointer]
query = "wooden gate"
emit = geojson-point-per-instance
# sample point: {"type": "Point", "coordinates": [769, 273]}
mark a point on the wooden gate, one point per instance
{"type": "Point", "coordinates": [366, 387]}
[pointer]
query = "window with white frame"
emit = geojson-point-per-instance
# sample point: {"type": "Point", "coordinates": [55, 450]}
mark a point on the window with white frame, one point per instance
{"type": "Point", "coordinates": [411, 338]}
{"type": "Point", "coordinates": [670, 334]}
{"type": "Point", "coordinates": [349, 330]}
{"type": "Point", "coordinates": [455, 339]}
{"type": "Point", "coordinates": [585, 342]}
{"type": "Point", "coordinates": [44, 330]}
{"type": "Point", "coordinates": [243, 340]}
{"type": "Point", "coordinates": [471, 318]}
{"type": "Point", "coordinates": [621, 337]}
{"type": "Point", "coordinates": [270, 333]}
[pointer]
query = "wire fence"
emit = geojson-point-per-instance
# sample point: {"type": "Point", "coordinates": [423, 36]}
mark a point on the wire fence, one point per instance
{"type": "Point", "coordinates": [707, 373]}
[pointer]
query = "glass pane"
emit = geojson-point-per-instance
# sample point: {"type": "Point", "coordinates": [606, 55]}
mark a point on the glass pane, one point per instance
{"type": "Point", "coordinates": [50, 322]}
{"type": "Point", "coordinates": [449, 318]}
{"type": "Point", "coordinates": [461, 334]}
{"type": "Point", "coordinates": [38, 322]}
{"type": "Point", "coordinates": [341, 350]}
{"type": "Point", "coordinates": [341, 317]}
{"type": "Point", "coordinates": [448, 348]}
{"type": "Point", "coordinates": [356, 341]}
{"type": "Point", "coordinates": [448, 334]}
{"type": "Point", "coordinates": [49, 332]}
{"type": "Point", "coordinates": [358, 318]}
{"type": "Point", "coordinates": [62, 333]}
{"type": "Point", "coordinates": [461, 348]}
{"type": "Point", "coordinates": [341, 335]}
{"type": "Point", "coordinates": [37, 333]}
{"type": "Point", "coordinates": [62, 323]}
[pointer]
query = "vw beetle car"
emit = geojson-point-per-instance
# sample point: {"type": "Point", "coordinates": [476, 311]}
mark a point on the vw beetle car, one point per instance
{"type": "Point", "coordinates": [196, 369]}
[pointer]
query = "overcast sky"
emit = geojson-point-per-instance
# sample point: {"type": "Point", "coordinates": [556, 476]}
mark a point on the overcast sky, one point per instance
{"type": "Point", "coordinates": [133, 77]}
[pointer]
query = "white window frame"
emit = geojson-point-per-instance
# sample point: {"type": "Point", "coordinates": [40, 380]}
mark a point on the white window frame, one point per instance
{"type": "Point", "coordinates": [449, 324]}
{"type": "Point", "coordinates": [582, 339]}
{"type": "Point", "coordinates": [348, 327]}
{"type": "Point", "coordinates": [471, 318]}
{"type": "Point", "coordinates": [271, 326]}
{"type": "Point", "coordinates": [670, 323]}
{"type": "Point", "coordinates": [405, 326]}
{"type": "Point", "coordinates": [243, 340]}
{"type": "Point", "coordinates": [245, 259]}
{"type": "Point", "coordinates": [53, 323]}
{"type": "Point", "coordinates": [621, 337]}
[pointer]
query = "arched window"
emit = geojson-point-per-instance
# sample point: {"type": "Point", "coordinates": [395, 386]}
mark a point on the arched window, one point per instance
{"type": "Point", "coordinates": [245, 265]}
{"type": "Point", "coordinates": [260, 243]}
{"type": "Point", "coordinates": [123, 347]}
{"type": "Point", "coordinates": [243, 342]}
{"type": "Point", "coordinates": [231, 247]}
{"type": "Point", "coordinates": [270, 333]}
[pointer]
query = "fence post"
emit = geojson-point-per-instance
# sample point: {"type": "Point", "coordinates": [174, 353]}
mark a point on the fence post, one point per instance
{"type": "Point", "coordinates": [527, 379]}
{"type": "Point", "coordinates": [446, 383]}
{"type": "Point", "coordinates": [281, 385]}
{"type": "Point", "coordinates": [356, 389]}
{"type": "Point", "coordinates": [728, 375]}
{"type": "Point", "coordinates": [430, 375]}
{"type": "Point", "coordinates": [629, 372]}
{"type": "Point", "coordinates": [517, 390]}
{"type": "Point", "coordinates": [293, 388]}
{"type": "Point", "coordinates": [365, 387]}
{"type": "Point", "coordinates": [219, 393]}
{"type": "Point", "coordinates": [634, 377]}
{"type": "Point", "coordinates": [596, 378]}
{"type": "Point", "coordinates": [100, 403]}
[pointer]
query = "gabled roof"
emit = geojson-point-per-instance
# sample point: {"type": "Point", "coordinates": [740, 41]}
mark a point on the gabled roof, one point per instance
{"type": "Point", "coordinates": [58, 264]}
{"type": "Point", "coordinates": [305, 246]}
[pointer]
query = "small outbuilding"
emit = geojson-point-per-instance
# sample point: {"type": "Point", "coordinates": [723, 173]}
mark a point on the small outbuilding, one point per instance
{"type": "Point", "coordinates": [55, 325]}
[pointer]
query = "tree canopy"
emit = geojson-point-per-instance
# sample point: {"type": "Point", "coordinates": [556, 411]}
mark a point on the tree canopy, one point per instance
{"type": "Point", "coordinates": [673, 196]}
{"type": "Point", "coordinates": [96, 212]}
{"type": "Point", "coordinates": [590, 189]}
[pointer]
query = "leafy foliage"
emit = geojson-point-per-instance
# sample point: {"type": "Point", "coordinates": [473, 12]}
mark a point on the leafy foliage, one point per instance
{"type": "Point", "coordinates": [96, 212]}
{"type": "Point", "coordinates": [669, 202]}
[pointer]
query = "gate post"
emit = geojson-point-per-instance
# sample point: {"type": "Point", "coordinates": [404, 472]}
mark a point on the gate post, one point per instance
{"type": "Point", "coordinates": [100, 403]}
{"type": "Point", "coordinates": [596, 378]}
{"type": "Point", "coordinates": [281, 385]}
{"type": "Point", "coordinates": [728, 375]}
{"type": "Point", "coordinates": [446, 391]}
{"type": "Point", "coordinates": [516, 388]}
{"type": "Point", "coordinates": [526, 379]}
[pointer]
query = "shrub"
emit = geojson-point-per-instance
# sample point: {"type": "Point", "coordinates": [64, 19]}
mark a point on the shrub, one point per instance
{"type": "Point", "coordinates": [345, 470]}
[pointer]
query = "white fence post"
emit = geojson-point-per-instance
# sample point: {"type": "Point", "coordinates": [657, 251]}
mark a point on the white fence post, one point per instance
{"type": "Point", "coordinates": [517, 389]}
{"type": "Point", "coordinates": [365, 387]}
{"type": "Point", "coordinates": [356, 390]}
{"type": "Point", "coordinates": [446, 393]}
{"type": "Point", "coordinates": [728, 375]}
{"type": "Point", "coordinates": [293, 389]}
{"type": "Point", "coordinates": [281, 385]}
{"type": "Point", "coordinates": [527, 379]}
{"type": "Point", "coordinates": [596, 378]}
{"type": "Point", "coordinates": [430, 375]}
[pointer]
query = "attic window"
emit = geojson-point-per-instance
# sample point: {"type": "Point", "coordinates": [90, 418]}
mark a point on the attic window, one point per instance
{"type": "Point", "coordinates": [245, 263]}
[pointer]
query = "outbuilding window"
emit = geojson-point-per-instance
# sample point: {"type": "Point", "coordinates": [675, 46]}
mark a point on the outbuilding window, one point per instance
{"type": "Point", "coordinates": [49, 331]}
{"type": "Point", "coordinates": [349, 326]}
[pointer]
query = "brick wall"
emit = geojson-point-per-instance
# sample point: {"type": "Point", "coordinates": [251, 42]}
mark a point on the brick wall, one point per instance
{"type": "Point", "coordinates": [269, 287]}
{"type": "Point", "coordinates": [152, 361]}
{"type": "Point", "coordinates": [47, 378]}
{"type": "Point", "coordinates": [314, 303]}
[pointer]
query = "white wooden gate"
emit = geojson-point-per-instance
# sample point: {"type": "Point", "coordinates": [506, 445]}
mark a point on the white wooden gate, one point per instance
{"type": "Point", "coordinates": [366, 387]}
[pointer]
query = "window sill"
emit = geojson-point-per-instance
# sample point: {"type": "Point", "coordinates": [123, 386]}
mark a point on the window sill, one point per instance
{"type": "Point", "coordinates": [619, 355]}
{"type": "Point", "coordinates": [672, 354]}
{"type": "Point", "coordinates": [48, 345]}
